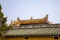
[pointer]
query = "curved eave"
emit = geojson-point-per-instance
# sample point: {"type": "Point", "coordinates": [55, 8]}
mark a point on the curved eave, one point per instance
{"type": "Point", "coordinates": [33, 21]}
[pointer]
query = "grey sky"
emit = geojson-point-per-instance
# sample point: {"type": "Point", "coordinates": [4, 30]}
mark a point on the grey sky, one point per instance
{"type": "Point", "coordinates": [31, 8]}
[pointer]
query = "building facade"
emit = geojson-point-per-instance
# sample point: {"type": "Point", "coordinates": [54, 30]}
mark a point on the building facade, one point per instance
{"type": "Point", "coordinates": [33, 29]}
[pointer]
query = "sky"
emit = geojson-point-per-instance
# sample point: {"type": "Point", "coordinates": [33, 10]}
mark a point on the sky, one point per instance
{"type": "Point", "coordinates": [25, 9]}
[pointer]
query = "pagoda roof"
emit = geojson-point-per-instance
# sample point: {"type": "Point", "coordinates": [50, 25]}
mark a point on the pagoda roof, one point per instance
{"type": "Point", "coordinates": [32, 21]}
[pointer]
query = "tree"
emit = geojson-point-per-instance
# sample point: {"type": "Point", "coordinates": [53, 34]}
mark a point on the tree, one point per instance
{"type": "Point", "coordinates": [2, 22]}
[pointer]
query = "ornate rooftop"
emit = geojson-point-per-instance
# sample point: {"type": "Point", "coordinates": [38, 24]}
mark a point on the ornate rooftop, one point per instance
{"type": "Point", "coordinates": [30, 21]}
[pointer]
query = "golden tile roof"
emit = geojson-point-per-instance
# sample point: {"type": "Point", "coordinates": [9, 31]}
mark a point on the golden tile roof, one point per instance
{"type": "Point", "coordinates": [31, 21]}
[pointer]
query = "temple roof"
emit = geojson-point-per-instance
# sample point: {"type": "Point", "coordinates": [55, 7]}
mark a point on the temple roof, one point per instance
{"type": "Point", "coordinates": [32, 21]}
{"type": "Point", "coordinates": [42, 20]}
{"type": "Point", "coordinates": [37, 31]}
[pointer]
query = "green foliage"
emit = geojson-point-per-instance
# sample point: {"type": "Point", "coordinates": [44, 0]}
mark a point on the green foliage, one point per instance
{"type": "Point", "coordinates": [3, 22]}
{"type": "Point", "coordinates": [2, 18]}
{"type": "Point", "coordinates": [0, 7]}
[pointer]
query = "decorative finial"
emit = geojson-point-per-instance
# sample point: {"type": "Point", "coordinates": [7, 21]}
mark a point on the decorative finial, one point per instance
{"type": "Point", "coordinates": [31, 18]}
{"type": "Point", "coordinates": [46, 17]}
{"type": "Point", "coordinates": [18, 19]}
